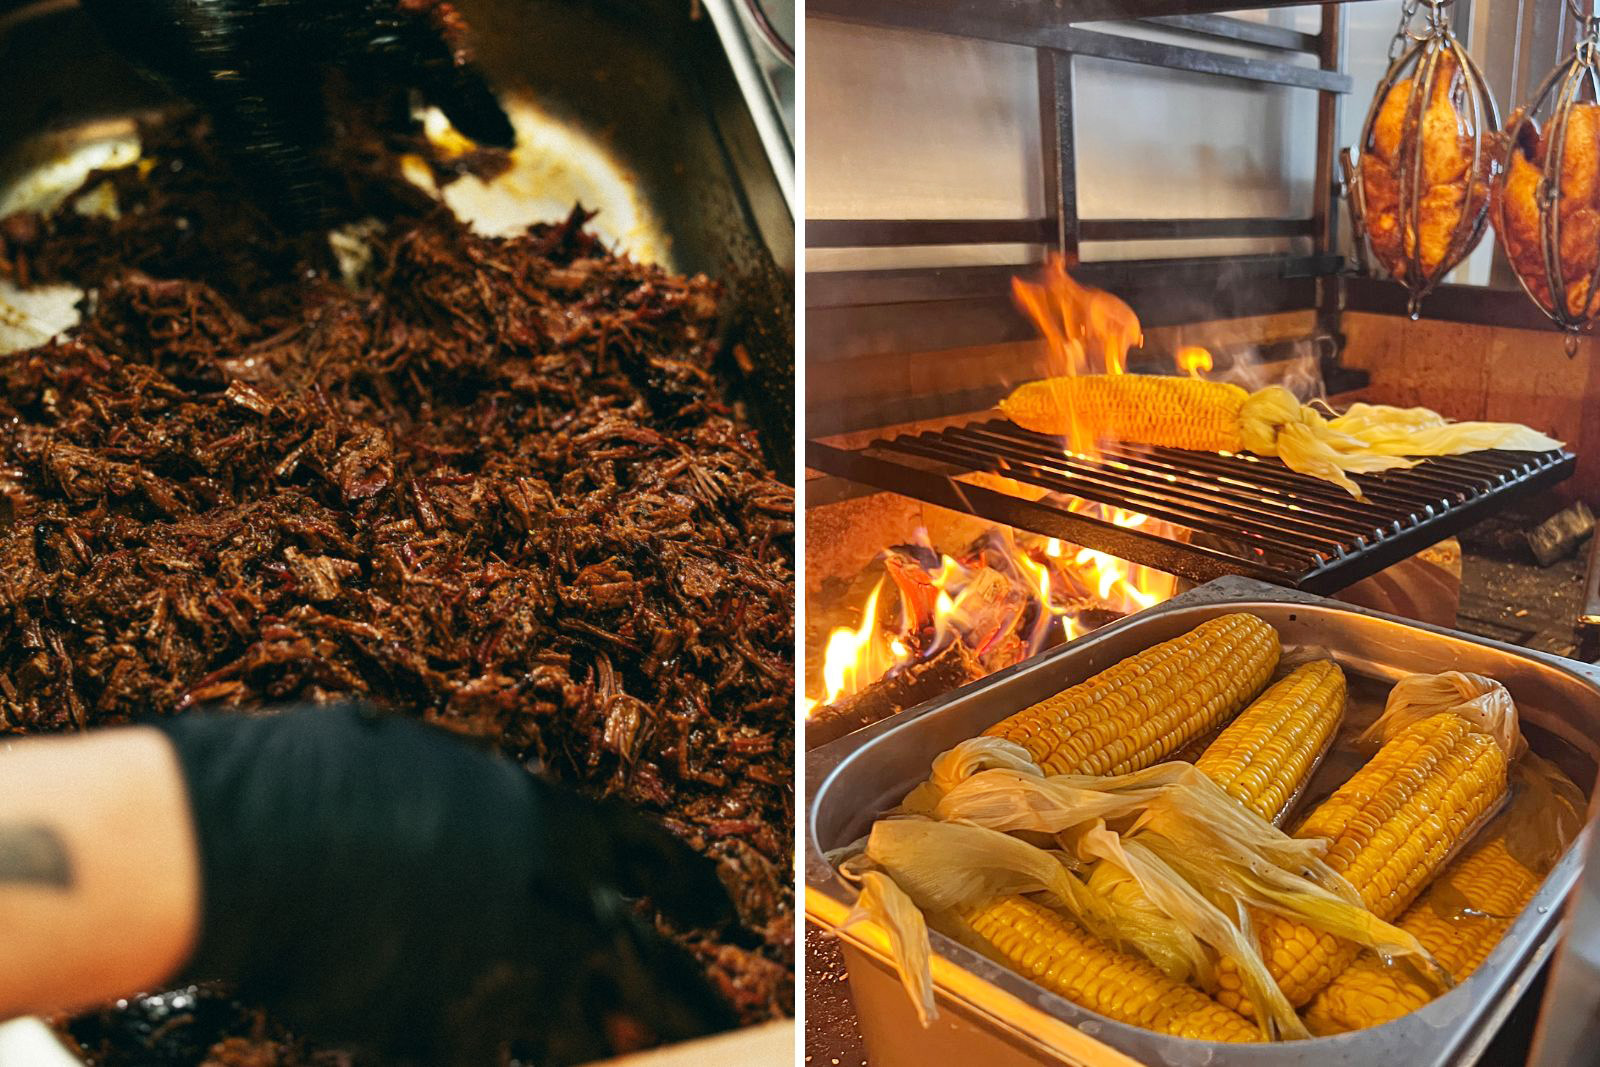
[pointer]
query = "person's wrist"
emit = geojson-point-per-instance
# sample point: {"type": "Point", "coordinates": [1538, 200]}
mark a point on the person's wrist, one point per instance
{"type": "Point", "coordinates": [122, 885]}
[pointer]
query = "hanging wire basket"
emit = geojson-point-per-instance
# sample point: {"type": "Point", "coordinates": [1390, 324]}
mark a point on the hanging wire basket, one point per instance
{"type": "Point", "coordinates": [1547, 195]}
{"type": "Point", "coordinates": [1419, 191]}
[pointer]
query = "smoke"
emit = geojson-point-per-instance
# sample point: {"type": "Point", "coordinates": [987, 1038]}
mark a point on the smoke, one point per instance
{"type": "Point", "coordinates": [1295, 365]}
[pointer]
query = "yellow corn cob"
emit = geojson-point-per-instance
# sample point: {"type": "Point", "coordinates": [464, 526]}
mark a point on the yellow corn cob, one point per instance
{"type": "Point", "coordinates": [1264, 757]}
{"type": "Point", "coordinates": [1489, 880]}
{"type": "Point", "coordinates": [1389, 827]}
{"type": "Point", "coordinates": [1262, 760]}
{"type": "Point", "coordinates": [1149, 705]}
{"type": "Point", "coordinates": [1049, 949]}
{"type": "Point", "coordinates": [1143, 408]}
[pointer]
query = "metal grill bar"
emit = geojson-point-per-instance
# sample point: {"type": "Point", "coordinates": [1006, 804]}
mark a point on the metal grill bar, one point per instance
{"type": "Point", "coordinates": [1240, 30]}
{"type": "Point", "coordinates": [1220, 513]}
{"type": "Point", "coordinates": [1042, 25]}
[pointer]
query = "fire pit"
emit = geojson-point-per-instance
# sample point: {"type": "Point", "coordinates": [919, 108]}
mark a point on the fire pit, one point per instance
{"type": "Point", "coordinates": [935, 619]}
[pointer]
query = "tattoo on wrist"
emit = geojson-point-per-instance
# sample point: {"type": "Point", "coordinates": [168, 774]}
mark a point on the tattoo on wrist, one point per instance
{"type": "Point", "coordinates": [33, 855]}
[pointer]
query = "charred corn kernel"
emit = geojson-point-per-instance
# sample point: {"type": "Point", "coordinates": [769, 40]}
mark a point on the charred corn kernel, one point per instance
{"type": "Point", "coordinates": [1057, 954]}
{"type": "Point", "coordinates": [1459, 920]}
{"type": "Point", "coordinates": [1390, 828]}
{"type": "Point", "coordinates": [1149, 705]}
{"type": "Point", "coordinates": [1264, 757]}
{"type": "Point", "coordinates": [1144, 408]}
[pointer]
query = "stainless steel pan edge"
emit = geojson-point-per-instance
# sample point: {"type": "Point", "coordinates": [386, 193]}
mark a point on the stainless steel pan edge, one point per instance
{"type": "Point", "coordinates": [878, 763]}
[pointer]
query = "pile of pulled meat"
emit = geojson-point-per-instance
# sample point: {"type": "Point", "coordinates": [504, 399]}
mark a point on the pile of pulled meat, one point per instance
{"type": "Point", "coordinates": [494, 484]}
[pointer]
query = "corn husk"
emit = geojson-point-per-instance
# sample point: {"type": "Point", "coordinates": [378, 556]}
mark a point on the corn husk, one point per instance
{"type": "Point", "coordinates": [1482, 701]}
{"type": "Point", "coordinates": [1171, 895]}
{"type": "Point", "coordinates": [1420, 432]}
{"type": "Point", "coordinates": [1010, 800]}
{"type": "Point", "coordinates": [1152, 933]}
{"type": "Point", "coordinates": [1217, 845]}
{"type": "Point", "coordinates": [954, 766]}
{"type": "Point", "coordinates": [1367, 438]}
{"type": "Point", "coordinates": [883, 902]}
{"type": "Point", "coordinates": [946, 866]}
{"type": "Point", "coordinates": [1196, 812]}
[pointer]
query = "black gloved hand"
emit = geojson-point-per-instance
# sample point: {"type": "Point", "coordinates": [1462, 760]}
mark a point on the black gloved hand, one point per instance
{"type": "Point", "coordinates": [379, 882]}
{"type": "Point", "coordinates": [257, 66]}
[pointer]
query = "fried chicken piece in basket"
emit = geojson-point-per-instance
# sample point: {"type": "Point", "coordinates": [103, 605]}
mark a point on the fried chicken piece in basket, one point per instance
{"type": "Point", "coordinates": [1447, 143]}
{"type": "Point", "coordinates": [1517, 210]}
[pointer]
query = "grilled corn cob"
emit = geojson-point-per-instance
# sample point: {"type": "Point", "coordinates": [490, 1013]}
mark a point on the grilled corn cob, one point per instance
{"type": "Point", "coordinates": [1389, 827]}
{"type": "Point", "coordinates": [1150, 409]}
{"type": "Point", "coordinates": [1201, 415]}
{"type": "Point", "coordinates": [1148, 706]}
{"type": "Point", "coordinates": [1055, 953]}
{"type": "Point", "coordinates": [1264, 757]}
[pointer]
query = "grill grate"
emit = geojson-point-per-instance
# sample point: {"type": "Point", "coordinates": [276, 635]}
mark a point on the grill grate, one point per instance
{"type": "Point", "coordinates": [1223, 514]}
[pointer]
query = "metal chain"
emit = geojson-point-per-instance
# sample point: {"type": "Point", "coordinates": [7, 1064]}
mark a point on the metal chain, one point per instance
{"type": "Point", "coordinates": [1402, 33]}
{"type": "Point", "coordinates": [1587, 14]}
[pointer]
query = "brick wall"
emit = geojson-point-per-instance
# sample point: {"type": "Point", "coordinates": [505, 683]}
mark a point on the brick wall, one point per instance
{"type": "Point", "coordinates": [1480, 372]}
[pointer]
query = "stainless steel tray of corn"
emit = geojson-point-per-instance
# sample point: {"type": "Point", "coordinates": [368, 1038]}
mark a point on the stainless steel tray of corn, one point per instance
{"type": "Point", "coordinates": [992, 1015]}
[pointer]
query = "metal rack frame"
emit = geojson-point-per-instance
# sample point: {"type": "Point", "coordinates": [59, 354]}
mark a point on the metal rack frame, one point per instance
{"type": "Point", "coordinates": [852, 313]}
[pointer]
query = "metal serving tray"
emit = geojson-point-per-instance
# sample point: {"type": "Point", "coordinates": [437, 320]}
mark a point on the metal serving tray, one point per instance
{"type": "Point", "coordinates": [992, 1016]}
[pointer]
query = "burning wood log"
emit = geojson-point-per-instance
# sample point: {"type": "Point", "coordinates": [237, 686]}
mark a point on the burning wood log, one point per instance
{"type": "Point", "coordinates": [963, 617]}
{"type": "Point", "coordinates": [954, 666]}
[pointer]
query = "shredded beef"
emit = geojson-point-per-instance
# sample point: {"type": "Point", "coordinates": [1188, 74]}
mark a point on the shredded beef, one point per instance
{"type": "Point", "coordinates": [499, 488]}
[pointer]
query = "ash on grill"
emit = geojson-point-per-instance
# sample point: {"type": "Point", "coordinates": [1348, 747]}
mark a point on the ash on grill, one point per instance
{"type": "Point", "coordinates": [499, 489]}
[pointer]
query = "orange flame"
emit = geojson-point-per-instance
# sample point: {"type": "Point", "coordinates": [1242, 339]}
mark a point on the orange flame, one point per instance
{"type": "Point", "coordinates": [1085, 331]}
{"type": "Point", "coordinates": [855, 657]}
{"type": "Point", "coordinates": [1193, 360]}
{"type": "Point", "coordinates": [983, 606]}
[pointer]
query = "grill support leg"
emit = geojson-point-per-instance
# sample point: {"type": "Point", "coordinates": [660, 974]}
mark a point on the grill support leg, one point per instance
{"type": "Point", "coordinates": [1589, 619]}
